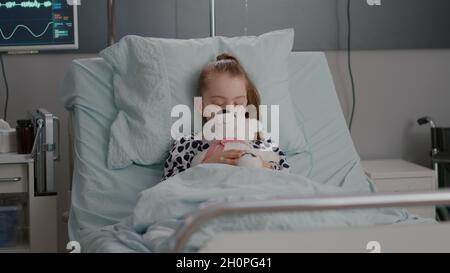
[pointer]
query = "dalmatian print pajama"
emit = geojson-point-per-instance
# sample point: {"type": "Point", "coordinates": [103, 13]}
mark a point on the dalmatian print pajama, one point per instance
{"type": "Point", "coordinates": [184, 150]}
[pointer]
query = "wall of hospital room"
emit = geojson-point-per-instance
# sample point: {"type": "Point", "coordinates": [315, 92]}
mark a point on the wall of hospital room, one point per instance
{"type": "Point", "coordinates": [394, 88]}
{"type": "Point", "coordinates": [35, 82]}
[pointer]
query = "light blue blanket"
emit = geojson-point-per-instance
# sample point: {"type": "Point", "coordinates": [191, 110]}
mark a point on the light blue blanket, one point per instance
{"type": "Point", "coordinates": [161, 209]}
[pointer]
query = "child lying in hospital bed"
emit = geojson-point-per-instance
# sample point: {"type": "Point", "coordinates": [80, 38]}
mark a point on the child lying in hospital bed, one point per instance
{"type": "Point", "coordinates": [225, 83]}
{"type": "Point", "coordinates": [163, 208]}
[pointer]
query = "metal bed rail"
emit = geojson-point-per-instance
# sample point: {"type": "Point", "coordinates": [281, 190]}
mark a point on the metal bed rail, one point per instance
{"type": "Point", "coordinates": [303, 204]}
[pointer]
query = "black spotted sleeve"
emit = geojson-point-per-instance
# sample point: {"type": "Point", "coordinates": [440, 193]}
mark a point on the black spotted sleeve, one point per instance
{"type": "Point", "coordinates": [181, 155]}
{"type": "Point", "coordinates": [282, 164]}
{"type": "Point", "coordinates": [269, 145]}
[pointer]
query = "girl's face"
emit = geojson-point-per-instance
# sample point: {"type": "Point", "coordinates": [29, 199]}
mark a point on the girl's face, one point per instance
{"type": "Point", "coordinates": [223, 90]}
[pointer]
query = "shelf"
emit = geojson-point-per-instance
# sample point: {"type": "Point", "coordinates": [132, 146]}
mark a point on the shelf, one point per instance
{"type": "Point", "coordinates": [14, 213]}
{"type": "Point", "coordinates": [11, 158]}
{"type": "Point", "coordinates": [36, 224]}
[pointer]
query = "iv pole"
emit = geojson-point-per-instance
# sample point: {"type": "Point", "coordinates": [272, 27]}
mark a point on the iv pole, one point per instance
{"type": "Point", "coordinates": [111, 22]}
{"type": "Point", "coordinates": [212, 17]}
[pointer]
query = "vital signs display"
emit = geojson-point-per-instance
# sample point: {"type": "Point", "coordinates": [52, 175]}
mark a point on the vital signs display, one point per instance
{"type": "Point", "coordinates": [38, 25]}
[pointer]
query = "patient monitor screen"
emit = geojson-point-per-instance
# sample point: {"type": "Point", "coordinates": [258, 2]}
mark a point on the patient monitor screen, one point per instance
{"type": "Point", "coordinates": [35, 25]}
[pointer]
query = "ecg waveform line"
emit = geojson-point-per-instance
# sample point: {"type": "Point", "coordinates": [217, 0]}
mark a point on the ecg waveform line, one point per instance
{"type": "Point", "coordinates": [26, 4]}
{"type": "Point", "coordinates": [8, 37]}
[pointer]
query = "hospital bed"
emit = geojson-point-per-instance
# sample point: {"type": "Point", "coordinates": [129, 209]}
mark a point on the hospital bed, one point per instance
{"type": "Point", "coordinates": [103, 197]}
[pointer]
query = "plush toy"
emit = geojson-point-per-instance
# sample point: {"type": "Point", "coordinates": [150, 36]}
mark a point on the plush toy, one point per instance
{"type": "Point", "coordinates": [228, 135]}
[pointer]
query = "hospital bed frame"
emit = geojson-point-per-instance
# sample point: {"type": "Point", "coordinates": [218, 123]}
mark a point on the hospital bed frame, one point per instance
{"type": "Point", "coordinates": [426, 237]}
{"type": "Point", "coordinates": [278, 241]}
{"type": "Point", "coordinates": [302, 204]}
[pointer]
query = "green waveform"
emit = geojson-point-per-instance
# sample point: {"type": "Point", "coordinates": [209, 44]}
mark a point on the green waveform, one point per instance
{"type": "Point", "coordinates": [8, 37]}
{"type": "Point", "coordinates": [26, 4]}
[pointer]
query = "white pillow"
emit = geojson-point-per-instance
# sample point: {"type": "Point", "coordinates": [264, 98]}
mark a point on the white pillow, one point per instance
{"type": "Point", "coordinates": [152, 75]}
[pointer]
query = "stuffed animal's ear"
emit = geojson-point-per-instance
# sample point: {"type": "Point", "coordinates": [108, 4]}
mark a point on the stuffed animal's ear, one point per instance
{"type": "Point", "coordinates": [262, 131]}
{"type": "Point", "coordinates": [252, 128]}
{"type": "Point", "coordinates": [239, 110]}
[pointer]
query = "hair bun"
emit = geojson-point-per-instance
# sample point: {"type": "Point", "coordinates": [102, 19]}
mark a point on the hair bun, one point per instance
{"type": "Point", "coordinates": [226, 56]}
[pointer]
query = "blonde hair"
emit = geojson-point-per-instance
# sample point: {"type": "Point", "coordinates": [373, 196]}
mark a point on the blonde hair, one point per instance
{"type": "Point", "coordinates": [226, 63]}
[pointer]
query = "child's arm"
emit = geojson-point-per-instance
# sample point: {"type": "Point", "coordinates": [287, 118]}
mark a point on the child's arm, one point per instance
{"type": "Point", "coordinates": [280, 164]}
{"type": "Point", "coordinates": [181, 155]}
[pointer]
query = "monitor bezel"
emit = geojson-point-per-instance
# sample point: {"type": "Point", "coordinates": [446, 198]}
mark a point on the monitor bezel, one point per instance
{"type": "Point", "coordinates": [37, 48]}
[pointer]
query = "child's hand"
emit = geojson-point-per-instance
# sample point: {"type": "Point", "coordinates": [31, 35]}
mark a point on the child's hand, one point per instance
{"type": "Point", "coordinates": [267, 165]}
{"type": "Point", "coordinates": [230, 157]}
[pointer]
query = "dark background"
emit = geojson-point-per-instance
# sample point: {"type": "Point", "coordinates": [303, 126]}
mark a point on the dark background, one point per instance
{"type": "Point", "coordinates": [319, 24]}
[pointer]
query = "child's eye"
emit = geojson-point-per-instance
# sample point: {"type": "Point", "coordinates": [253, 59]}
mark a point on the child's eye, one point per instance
{"type": "Point", "coordinates": [218, 102]}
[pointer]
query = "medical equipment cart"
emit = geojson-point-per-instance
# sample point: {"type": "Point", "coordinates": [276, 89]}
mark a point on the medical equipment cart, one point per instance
{"type": "Point", "coordinates": [28, 198]}
{"type": "Point", "coordinates": [28, 220]}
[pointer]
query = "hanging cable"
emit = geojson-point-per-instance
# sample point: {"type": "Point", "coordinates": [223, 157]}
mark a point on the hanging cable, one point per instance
{"type": "Point", "coordinates": [349, 64]}
{"type": "Point", "coordinates": [246, 17]}
{"type": "Point", "coordinates": [5, 81]}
